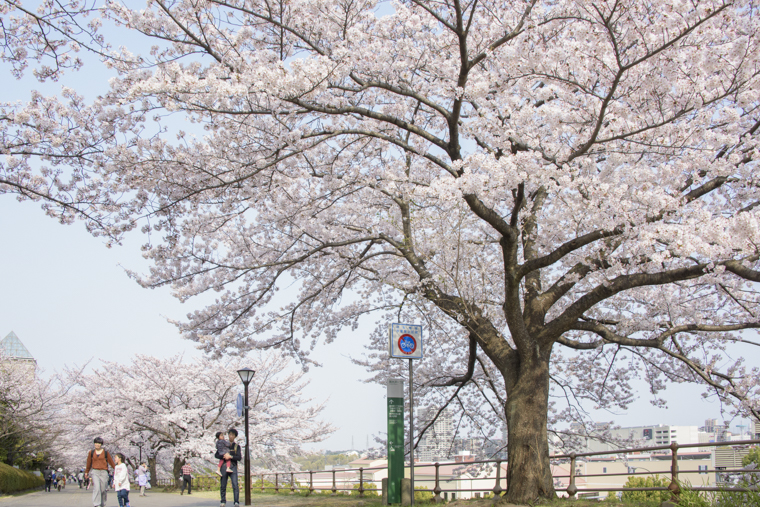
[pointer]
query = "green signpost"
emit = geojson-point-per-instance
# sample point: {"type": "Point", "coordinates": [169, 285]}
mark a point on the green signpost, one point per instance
{"type": "Point", "coordinates": [406, 343]}
{"type": "Point", "coordinates": [395, 439]}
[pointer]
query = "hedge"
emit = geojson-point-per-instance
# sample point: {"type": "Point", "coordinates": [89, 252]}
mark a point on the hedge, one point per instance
{"type": "Point", "coordinates": [13, 479]}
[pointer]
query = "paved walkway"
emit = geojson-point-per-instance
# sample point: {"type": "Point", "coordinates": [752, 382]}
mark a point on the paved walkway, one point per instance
{"type": "Point", "coordinates": [75, 497]}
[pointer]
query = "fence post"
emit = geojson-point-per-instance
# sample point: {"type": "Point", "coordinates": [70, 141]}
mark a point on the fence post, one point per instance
{"type": "Point", "coordinates": [361, 482]}
{"type": "Point", "coordinates": [675, 489]}
{"type": "Point", "coordinates": [572, 489]}
{"type": "Point", "coordinates": [292, 484]}
{"type": "Point", "coordinates": [497, 488]}
{"type": "Point", "coordinates": [311, 481]}
{"type": "Point", "coordinates": [262, 483]}
{"type": "Point", "coordinates": [334, 489]}
{"type": "Point", "coordinates": [276, 483]}
{"type": "Point", "coordinates": [437, 490]}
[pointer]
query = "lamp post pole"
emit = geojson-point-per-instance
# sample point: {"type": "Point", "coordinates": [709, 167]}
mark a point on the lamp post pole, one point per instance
{"type": "Point", "coordinates": [247, 452]}
{"type": "Point", "coordinates": [139, 444]}
{"type": "Point", "coordinates": [246, 375]}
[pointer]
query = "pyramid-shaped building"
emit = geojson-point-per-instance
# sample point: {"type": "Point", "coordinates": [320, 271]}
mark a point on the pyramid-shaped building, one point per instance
{"type": "Point", "coordinates": [12, 348]}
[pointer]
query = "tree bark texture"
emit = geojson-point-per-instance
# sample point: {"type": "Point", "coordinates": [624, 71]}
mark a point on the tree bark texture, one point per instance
{"type": "Point", "coordinates": [177, 470]}
{"type": "Point", "coordinates": [529, 474]}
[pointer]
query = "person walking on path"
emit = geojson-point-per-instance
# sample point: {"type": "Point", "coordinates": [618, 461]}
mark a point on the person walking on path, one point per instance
{"type": "Point", "coordinates": [187, 479]}
{"type": "Point", "coordinates": [121, 481]}
{"type": "Point", "coordinates": [233, 455]}
{"type": "Point", "coordinates": [142, 477]}
{"type": "Point", "coordinates": [80, 478]}
{"type": "Point", "coordinates": [48, 475]}
{"type": "Point", "coordinates": [98, 460]}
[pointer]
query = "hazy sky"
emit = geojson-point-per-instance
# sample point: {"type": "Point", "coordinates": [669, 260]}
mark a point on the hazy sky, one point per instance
{"type": "Point", "coordinates": [68, 299]}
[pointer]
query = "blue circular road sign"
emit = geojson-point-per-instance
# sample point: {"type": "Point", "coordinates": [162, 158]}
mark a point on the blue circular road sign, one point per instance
{"type": "Point", "coordinates": [407, 344]}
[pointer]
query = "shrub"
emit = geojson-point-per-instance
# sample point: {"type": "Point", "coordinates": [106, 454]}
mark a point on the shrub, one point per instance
{"type": "Point", "coordinates": [422, 496]}
{"type": "Point", "coordinates": [369, 489]}
{"type": "Point", "coordinates": [268, 487]}
{"type": "Point", "coordinates": [727, 498]}
{"type": "Point", "coordinates": [654, 497]}
{"type": "Point", "coordinates": [691, 498]}
{"type": "Point", "coordinates": [13, 479]}
{"type": "Point", "coordinates": [752, 457]}
{"type": "Point", "coordinates": [206, 482]}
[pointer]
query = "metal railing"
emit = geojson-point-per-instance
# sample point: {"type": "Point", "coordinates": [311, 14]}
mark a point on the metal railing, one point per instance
{"type": "Point", "coordinates": [674, 486]}
{"type": "Point", "coordinates": [357, 480]}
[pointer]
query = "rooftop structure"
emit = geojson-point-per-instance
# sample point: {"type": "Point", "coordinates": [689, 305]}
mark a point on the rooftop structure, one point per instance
{"type": "Point", "coordinates": [12, 348]}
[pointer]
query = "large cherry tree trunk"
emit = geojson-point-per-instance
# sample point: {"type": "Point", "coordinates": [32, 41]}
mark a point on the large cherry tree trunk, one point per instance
{"type": "Point", "coordinates": [177, 471]}
{"type": "Point", "coordinates": [529, 474]}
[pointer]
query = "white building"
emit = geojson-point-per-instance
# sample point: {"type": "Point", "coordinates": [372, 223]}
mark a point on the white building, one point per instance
{"type": "Point", "coordinates": [437, 443]}
{"type": "Point", "coordinates": [644, 436]}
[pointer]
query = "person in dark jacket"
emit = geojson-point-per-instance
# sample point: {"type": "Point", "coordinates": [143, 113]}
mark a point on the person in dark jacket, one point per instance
{"type": "Point", "coordinates": [233, 455]}
{"type": "Point", "coordinates": [48, 476]}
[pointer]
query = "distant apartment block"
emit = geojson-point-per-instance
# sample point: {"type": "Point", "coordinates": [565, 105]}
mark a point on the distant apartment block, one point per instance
{"type": "Point", "coordinates": [605, 438]}
{"type": "Point", "coordinates": [437, 444]}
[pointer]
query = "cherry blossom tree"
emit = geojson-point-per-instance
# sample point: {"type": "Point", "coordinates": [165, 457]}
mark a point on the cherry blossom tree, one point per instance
{"type": "Point", "coordinates": [565, 192]}
{"type": "Point", "coordinates": [175, 407]}
{"type": "Point", "coordinates": [29, 406]}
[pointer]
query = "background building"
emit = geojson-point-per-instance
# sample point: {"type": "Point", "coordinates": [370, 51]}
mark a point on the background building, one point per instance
{"type": "Point", "coordinates": [12, 348]}
{"type": "Point", "coordinates": [437, 443]}
{"type": "Point", "coordinates": [606, 438]}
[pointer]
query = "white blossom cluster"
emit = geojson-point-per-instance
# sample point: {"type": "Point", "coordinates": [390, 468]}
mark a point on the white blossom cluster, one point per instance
{"type": "Point", "coordinates": [570, 186]}
{"type": "Point", "coordinates": [174, 407]}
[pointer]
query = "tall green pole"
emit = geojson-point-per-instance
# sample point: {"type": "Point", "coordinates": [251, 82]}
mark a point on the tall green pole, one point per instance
{"type": "Point", "coordinates": [395, 439]}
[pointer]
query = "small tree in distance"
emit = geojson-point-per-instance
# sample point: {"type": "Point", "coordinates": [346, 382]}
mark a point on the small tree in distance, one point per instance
{"type": "Point", "coordinates": [176, 407]}
{"type": "Point", "coordinates": [564, 192]}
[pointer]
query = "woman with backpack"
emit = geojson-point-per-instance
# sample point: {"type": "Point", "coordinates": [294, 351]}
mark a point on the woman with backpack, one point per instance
{"type": "Point", "coordinates": [98, 460]}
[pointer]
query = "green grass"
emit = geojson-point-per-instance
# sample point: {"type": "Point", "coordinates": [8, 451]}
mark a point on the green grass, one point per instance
{"type": "Point", "coordinates": [301, 498]}
{"type": "Point", "coordinates": [298, 499]}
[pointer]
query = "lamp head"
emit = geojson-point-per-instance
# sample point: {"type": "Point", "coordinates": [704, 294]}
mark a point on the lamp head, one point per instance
{"type": "Point", "coordinates": [246, 375]}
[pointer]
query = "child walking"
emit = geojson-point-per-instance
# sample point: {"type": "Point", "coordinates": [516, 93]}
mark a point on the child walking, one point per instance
{"type": "Point", "coordinates": [121, 480]}
{"type": "Point", "coordinates": [222, 447]}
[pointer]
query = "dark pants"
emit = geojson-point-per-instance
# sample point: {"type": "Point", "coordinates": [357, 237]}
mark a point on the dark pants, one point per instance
{"type": "Point", "coordinates": [187, 480]}
{"type": "Point", "coordinates": [123, 496]}
{"type": "Point", "coordinates": [223, 487]}
{"type": "Point", "coordinates": [48, 483]}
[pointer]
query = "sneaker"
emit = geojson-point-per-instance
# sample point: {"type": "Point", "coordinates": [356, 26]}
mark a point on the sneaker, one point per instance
{"type": "Point", "coordinates": [219, 472]}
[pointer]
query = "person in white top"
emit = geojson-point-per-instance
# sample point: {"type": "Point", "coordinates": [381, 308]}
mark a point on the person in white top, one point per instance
{"type": "Point", "coordinates": [121, 481]}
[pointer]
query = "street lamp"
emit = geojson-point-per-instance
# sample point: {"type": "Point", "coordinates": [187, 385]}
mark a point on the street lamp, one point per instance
{"type": "Point", "coordinates": [139, 444]}
{"type": "Point", "coordinates": [246, 375]}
